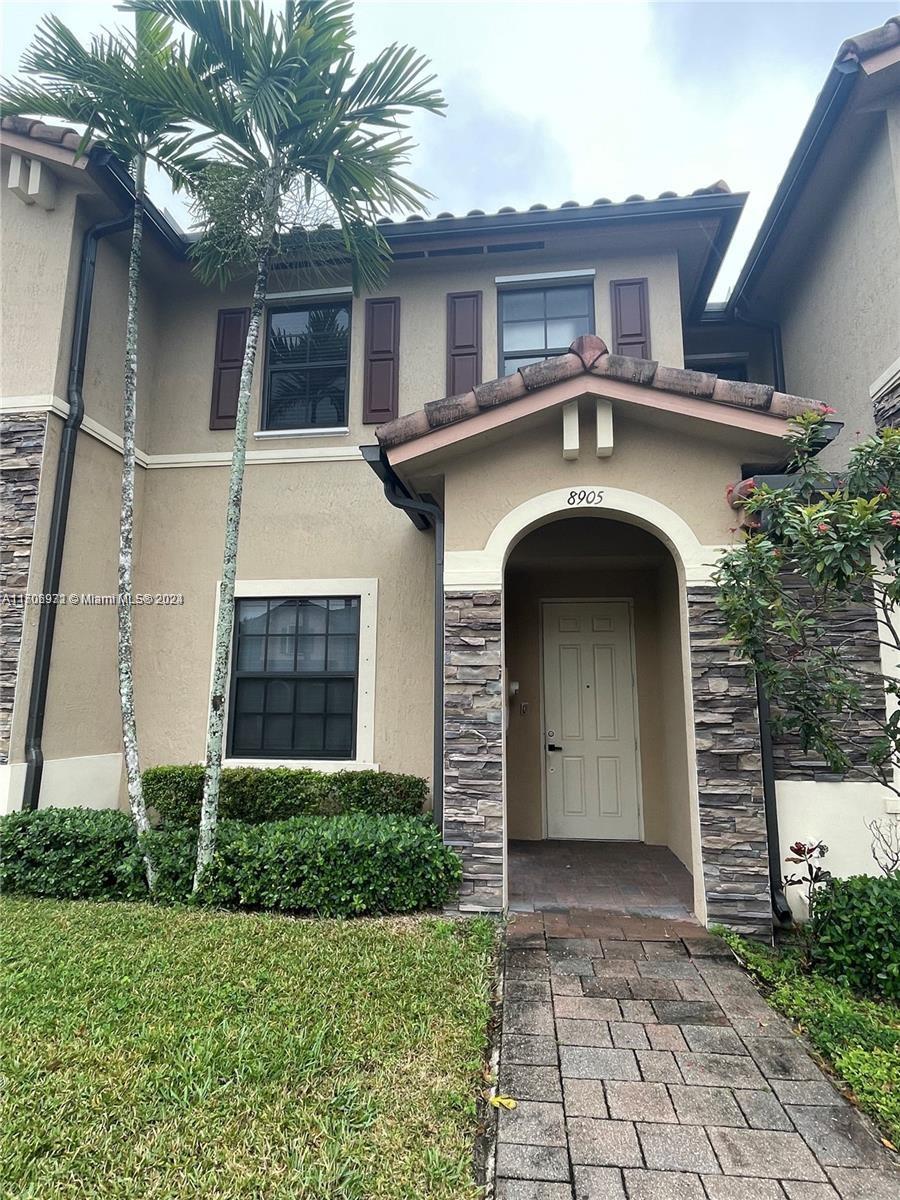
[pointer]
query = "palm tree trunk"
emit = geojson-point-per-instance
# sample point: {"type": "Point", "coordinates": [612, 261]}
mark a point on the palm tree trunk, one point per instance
{"type": "Point", "coordinates": [206, 841]}
{"type": "Point", "coordinates": [126, 530]}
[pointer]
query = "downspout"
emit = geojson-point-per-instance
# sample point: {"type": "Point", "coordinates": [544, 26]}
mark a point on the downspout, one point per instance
{"type": "Point", "coordinates": [59, 513]}
{"type": "Point", "coordinates": [427, 514]}
{"type": "Point", "coordinates": [780, 906]}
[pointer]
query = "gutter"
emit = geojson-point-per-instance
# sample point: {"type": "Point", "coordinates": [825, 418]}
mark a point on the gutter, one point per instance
{"type": "Point", "coordinates": [59, 513]}
{"type": "Point", "coordinates": [424, 515]}
{"type": "Point", "coordinates": [107, 170]}
{"type": "Point", "coordinates": [826, 111]}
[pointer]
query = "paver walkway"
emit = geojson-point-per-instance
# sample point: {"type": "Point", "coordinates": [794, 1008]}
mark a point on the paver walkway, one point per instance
{"type": "Point", "coordinates": [647, 1066]}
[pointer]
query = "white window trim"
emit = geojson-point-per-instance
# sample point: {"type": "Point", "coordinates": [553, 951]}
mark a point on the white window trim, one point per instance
{"type": "Point", "coordinates": [367, 590]}
{"type": "Point", "coordinates": [334, 431]}
{"type": "Point", "coordinates": [546, 276]}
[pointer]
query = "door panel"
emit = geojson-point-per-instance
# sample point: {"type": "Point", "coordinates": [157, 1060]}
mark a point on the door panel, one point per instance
{"type": "Point", "coordinates": [592, 775]}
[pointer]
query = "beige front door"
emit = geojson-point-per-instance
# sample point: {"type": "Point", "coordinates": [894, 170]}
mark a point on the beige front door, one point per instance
{"type": "Point", "coordinates": [590, 751]}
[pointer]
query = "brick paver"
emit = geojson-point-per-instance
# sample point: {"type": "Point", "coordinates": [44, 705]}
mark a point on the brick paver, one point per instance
{"type": "Point", "coordinates": [646, 1066]}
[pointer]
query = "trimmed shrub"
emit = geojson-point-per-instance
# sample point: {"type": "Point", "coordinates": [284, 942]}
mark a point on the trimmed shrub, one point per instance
{"type": "Point", "coordinates": [333, 866]}
{"type": "Point", "coordinates": [71, 854]}
{"type": "Point", "coordinates": [855, 933]}
{"type": "Point", "coordinates": [258, 794]}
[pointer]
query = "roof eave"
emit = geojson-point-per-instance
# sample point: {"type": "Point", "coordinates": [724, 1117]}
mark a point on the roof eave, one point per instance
{"type": "Point", "coordinates": [829, 105]}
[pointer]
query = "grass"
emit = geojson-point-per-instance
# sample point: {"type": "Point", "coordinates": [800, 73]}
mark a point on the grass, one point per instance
{"type": "Point", "coordinates": [858, 1038]}
{"type": "Point", "coordinates": [167, 1053]}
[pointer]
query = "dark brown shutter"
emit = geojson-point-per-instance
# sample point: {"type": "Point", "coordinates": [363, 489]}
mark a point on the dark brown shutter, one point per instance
{"type": "Point", "coordinates": [630, 317]}
{"type": "Point", "coordinates": [231, 334]}
{"type": "Point", "coordinates": [382, 369]}
{"type": "Point", "coordinates": [463, 341]}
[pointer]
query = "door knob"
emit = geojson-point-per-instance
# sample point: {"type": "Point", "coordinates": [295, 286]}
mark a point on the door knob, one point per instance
{"type": "Point", "coordinates": [553, 747]}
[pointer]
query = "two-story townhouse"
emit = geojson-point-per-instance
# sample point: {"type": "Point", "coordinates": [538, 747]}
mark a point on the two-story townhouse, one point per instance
{"type": "Point", "coordinates": [481, 512]}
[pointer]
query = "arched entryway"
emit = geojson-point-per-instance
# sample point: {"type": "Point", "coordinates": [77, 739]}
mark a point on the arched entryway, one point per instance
{"type": "Point", "coordinates": [600, 809]}
{"type": "Point", "coordinates": [728, 846]}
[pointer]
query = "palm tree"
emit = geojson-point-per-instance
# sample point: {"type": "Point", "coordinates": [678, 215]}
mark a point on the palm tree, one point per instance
{"type": "Point", "coordinates": [111, 87]}
{"type": "Point", "coordinates": [297, 127]}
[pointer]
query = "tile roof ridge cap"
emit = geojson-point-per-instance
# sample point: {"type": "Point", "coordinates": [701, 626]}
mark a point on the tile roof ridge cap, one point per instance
{"type": "Point", "coordinates": [589, 348]}
{"type": "Point", "coordinates": [870, 41]}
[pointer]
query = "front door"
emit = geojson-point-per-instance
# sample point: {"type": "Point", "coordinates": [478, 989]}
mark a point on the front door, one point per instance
{"type": "Point", "coordinates": [590, 749]}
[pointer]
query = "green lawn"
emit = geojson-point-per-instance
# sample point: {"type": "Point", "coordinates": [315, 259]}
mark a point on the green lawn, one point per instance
{"type": "Point", "coordinates": [163, 1053]}
{"type": "Point", "coordinates": [858, 1038]}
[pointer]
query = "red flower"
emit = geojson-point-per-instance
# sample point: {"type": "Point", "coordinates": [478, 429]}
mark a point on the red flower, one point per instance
{"type": "Point", "coordinates": [749, 485]}
{"type": "Point", "coordinates": [885, 490]}
{"type": "Point", "coordinates": [823, 527]}
{"type": "Point", "coordinates": [826, 410]}
{"type": "Point", "coordinates": [895, 519]}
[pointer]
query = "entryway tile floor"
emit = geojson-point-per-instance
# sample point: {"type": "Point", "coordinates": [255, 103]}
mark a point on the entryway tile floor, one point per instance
{"type": "Point", "coordinates": [646, 1066]}
{"type": "Point", "coordinates": [628, 877]}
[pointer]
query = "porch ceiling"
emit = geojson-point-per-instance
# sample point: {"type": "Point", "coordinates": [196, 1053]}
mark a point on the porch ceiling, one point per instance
{"type": "Point", "coordinates": [588, 369]}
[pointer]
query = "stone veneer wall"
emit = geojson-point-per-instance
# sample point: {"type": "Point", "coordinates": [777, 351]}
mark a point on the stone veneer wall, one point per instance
{"type": "Point", "coordinates": [473, 744]}
{"type": "Point", "coordinates": [21, 452]}
{"type": "Point", "coordinates": [855, 630]}
{"type": "Point", "coordinates": [732, 814]}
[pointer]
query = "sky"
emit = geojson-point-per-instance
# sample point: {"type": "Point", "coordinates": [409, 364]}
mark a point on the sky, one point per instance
{"type": "Point", "coordinates": [577, 99]}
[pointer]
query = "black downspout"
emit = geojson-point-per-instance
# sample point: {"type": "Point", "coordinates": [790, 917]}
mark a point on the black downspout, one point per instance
{"type": "Point", "coordinates": [65, 466]}
{"type": "Point", "coordinates": [780, 906]}
{"type": "Point", "coordinates": [394, 491]}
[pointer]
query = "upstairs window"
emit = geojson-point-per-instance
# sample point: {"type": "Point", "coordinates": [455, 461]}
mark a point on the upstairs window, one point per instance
{"type": "Point", "coordinates": [294, 678]}
{"type": "Point", "coordinates": [539, 323]}
{"type": "Point", "coordinates": [307, 366]}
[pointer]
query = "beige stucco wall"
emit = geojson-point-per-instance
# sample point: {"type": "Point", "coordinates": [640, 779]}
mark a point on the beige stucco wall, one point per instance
{"type": "Point", "coordinates": [840, 318]}
{"type": "Point", "coordinates": [104, 368]}
{"type": "Point", "coordinates": [300, 521]}
{"type": "Point", "coordinates": [82, 716]}
{"type": "Point", "coordinates": [679, 465]}
{"type": "Point", "coordinates": [186, 329]}
{"type": "Point", "coordinates": [36, 282]}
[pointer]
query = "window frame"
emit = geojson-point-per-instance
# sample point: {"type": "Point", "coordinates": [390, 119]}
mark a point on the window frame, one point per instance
{"type": "Point", "coordinates": [304, 304]}
{"type": "Point", "coordinates": [366, 590]}
{"type": "Point", "coordinates": [543, 285]}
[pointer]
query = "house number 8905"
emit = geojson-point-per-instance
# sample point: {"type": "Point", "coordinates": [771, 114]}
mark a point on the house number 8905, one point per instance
{"type": "Point", "coordinates": [583, 496]}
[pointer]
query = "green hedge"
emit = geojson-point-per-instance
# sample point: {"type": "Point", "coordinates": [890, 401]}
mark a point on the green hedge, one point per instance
{"type": "Point", "coordinates": [855, 933]}
{"type": "Point", "coordinates": [335, 866]}
{"type": "Point", "coordinates": [257, 794]}
{"type": "Point", "coordinates": [70, 854]}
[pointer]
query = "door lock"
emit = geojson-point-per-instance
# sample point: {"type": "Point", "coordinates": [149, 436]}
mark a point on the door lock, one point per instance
{"type": "Point", "coordinates": [553, 747]}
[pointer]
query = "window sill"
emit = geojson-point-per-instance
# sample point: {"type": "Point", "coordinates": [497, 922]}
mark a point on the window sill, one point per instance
{"type": "Point", "coordinates": [327, 765]}
{"type": "Point", "coordinates": [337, 431]}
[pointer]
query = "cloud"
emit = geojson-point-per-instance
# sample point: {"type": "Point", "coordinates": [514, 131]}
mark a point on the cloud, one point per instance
{"type": "Point", "coordinates": [484, 156]}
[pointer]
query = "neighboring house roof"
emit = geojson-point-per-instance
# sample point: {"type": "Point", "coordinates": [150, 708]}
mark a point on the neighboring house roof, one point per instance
{"type": "Point", "coordinates": [864, 54]}
{"type": "Point", "coordinates": [674, 387]}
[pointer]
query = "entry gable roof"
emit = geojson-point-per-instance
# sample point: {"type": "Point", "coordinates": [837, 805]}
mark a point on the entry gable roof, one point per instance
{"type": "Point", "coordinates": [589, 368]}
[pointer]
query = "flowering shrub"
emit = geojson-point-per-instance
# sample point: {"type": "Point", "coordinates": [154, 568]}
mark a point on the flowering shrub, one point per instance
{"type": "Point", "coordinates": [816, 548]}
